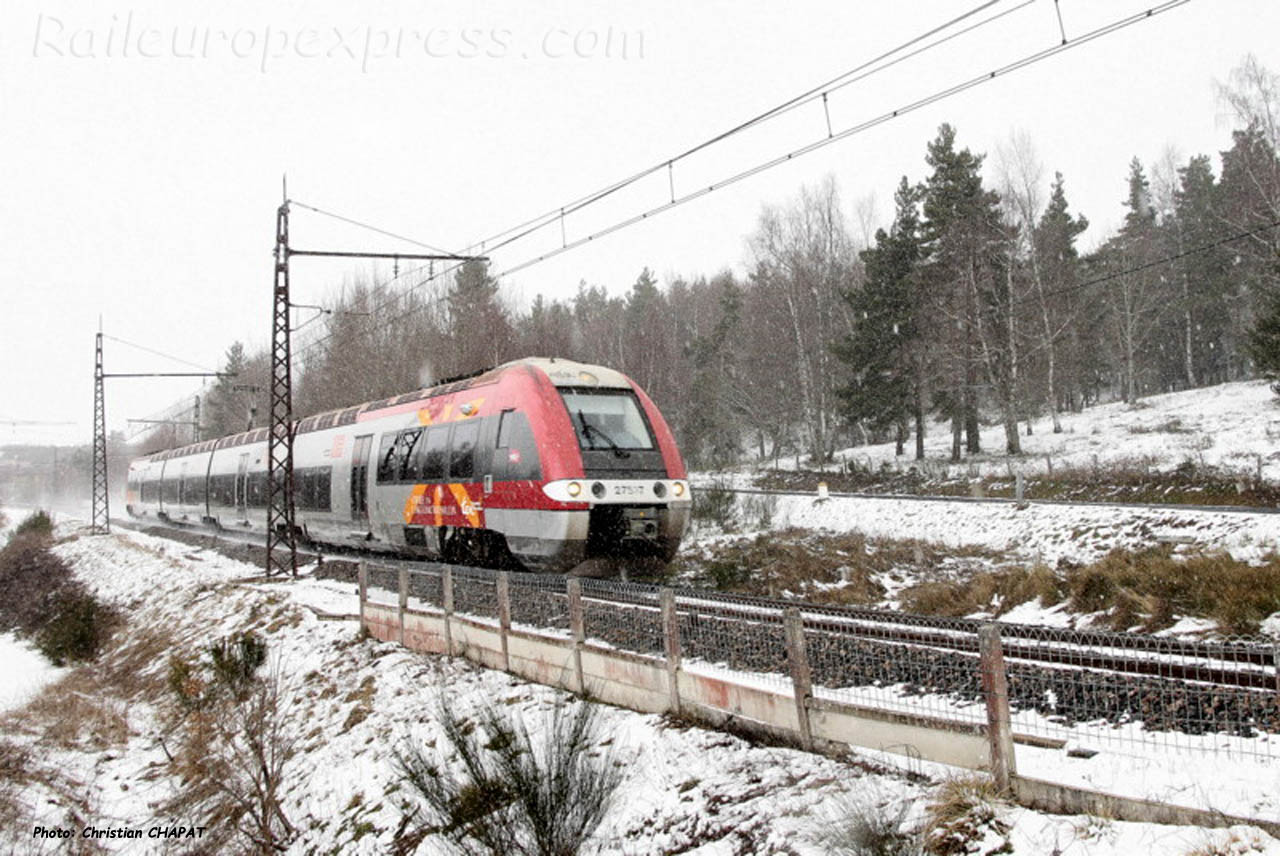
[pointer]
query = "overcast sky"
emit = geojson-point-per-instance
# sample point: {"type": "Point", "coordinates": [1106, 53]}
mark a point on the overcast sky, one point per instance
{"type": "Point", "coordinates": [143, 145]}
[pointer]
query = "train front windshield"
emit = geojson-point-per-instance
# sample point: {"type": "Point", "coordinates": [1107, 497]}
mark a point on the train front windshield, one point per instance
{"type": "Point", "coordinates": [607, 419]}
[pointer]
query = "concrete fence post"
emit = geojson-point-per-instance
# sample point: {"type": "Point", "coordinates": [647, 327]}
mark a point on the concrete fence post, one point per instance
{"type": "Point", "coordinates": [995, 689]}
{"type": "Point", "coordinates": [362, 584]}
{"type": "Point", "coordinates": [801, 680]}
{"type": "Point", "coordinates": [504, 615]}
{"type": "Point", "coordinates": [446, 603]}
{"type": "Point", "coordinates": [573, 588]}
{"type": "Point", "coordinates": [404, 599]}
{"type": "Point", "coordinates": [1020, 489]}
{"type": "Point", "coordinates": [671, 639]}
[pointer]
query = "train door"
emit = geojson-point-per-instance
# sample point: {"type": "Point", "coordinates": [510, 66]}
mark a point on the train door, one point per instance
{"type": "Point", "coordinates": [242, 487]}
{"type": "Point", "coordinates": [360, 479]}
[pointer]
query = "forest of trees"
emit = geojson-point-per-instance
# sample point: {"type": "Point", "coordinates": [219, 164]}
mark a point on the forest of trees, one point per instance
{"type": "Point", "coordinates": [975, 305]}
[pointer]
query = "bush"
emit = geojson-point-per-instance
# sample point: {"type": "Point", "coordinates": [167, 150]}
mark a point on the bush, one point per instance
{"type": "Point", "coordinates": [77, 627]}
{"type": "Point", "coordinates": [234, 745]}
{"type": "Point", "coordinates": [714, 504]}
{"type": "Point", "coordinates": [43, 601]}
{"type": "Point", "coordinates": [514, 795]}
{"type": "Point", "coordinates": [231, 670]}
{"type": "Point", "coordinates": [37, 523]}
{"type": "Point", "coordinates": [30, 574]}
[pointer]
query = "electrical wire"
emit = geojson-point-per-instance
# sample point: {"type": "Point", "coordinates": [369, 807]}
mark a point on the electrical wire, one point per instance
{"type": "Point", "coordinates": [363, 225]}
{"type": "Point", "coordinates": [860, 72]}
{"type": "Point", "coordinates": [933, 98]}
{"type": "Point", "coordinates": [1203, 248]}
{"type": "Point", "coordinates": [154, 352]}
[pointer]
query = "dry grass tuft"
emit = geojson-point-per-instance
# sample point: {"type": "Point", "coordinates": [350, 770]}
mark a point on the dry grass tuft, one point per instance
{"type": "Point", "coordinates": [963, 811]}
{"type": "Point", "coordinates": [1148, 588]}
{"type": "Point", "coordinates": [995, 592]}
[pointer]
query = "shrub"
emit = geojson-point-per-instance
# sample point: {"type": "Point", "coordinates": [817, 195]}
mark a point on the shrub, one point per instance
{"type": "Point", "coordinates": [37, 523]}
{"type": "Point", "coordinates": [234, 745]}
{"type": "Point", "coordinates": [231, 670]}
{"type": "Point", "coordinates": [514, 795]}
{"type": "Point", "coordinates": [77, 627]}
{"type": "Point", "coordinates": [29, 575]}
{"type": "Point", "coordinates": [714, 504]}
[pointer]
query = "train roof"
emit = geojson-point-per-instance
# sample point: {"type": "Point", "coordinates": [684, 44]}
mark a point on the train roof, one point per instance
{"type": "Point", "coordinates": [562, 373]}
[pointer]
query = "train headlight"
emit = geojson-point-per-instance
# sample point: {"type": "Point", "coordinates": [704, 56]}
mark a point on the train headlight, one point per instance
{"type": "Point", "coordinates": [574, 488]}
{"type": "Point", "coordinates": [677, 489]}
{"type": "Point", "coordinates": [598, 490]}
{"type": "Point", "coordinates": [659, 490]}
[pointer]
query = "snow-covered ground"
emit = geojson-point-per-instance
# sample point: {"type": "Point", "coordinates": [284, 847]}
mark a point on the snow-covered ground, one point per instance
{"type": "Point", "coordinates": [23, 671]}
{"type": "Point", "coordinates": [355, 701]}
{"type": "Point", "coordinates": [1231, 425]}
{"type": "Point", "coordinates": [1041, 532]}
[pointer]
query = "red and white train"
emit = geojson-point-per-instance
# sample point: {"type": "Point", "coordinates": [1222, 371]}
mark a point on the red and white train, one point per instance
{"type": "Point", "coordinates": [549, 461]}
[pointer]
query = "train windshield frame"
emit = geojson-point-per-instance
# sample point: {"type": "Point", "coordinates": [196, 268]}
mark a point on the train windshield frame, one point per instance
{"type": "Point", "coordinates": [608, 419]}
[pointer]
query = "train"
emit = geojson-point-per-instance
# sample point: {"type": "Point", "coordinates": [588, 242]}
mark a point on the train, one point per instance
{"type": "Point", "coordinates": [540, 463]}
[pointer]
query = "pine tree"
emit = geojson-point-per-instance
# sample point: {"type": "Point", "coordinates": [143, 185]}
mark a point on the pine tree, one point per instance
{"type": "Point", "coordinates": [1057, 265]}
{"type": "Point", "coordinates": [1203, 277]}
{"type": "Point", "coordinates": [479, 326]}
{"type": "Point", "coordinates": [1264, 343]}
{"type": "Point", "coordinates": [964, 242]}
{"type": "Point", "coordinates": [226, 408]}
{"type": "Point", "coordinates": [1134, 297]}
{"type": "Point", "coordinates": [883, 351]}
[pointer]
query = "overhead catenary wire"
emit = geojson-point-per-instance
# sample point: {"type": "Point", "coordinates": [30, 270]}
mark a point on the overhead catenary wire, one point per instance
{"type": "Point", "coordinates": [156, 353]}
{"type": "Point", "coordinates": [939, 95]}
{"type": "Point", "coordinates": [371, 228]}
{"type": "Point", "coordinates": [1164, 260]}
{"type": "Point", "coordinates": [863, 70]}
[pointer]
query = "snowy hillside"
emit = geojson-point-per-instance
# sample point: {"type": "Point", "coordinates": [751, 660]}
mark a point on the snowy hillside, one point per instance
{"type": "Point", "coordinates": [352, 702]}
{"type": "Point", "coordinates": [1230, 426]}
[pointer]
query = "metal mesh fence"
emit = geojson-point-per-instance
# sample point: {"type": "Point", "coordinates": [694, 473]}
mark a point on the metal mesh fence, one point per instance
{"type": "Point", "coordinates": [475, 593]}
{"type": "Point", "coordinates": [384, 584]}
{"type": "Point", "coordinates": [623, 615]}
{"type": "Point", "coordinates": [539, 601]}
{"type": "Point", "coordinates": [926, 669]}
{"type": "Point", "coordinates": [733, 633]}
{"type": "Point", "coordinates": [426, 588]}
{"type": "Point", "coordinates": [1125, 693]}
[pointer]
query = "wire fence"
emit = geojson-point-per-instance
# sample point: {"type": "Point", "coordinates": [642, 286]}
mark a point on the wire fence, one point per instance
{"type": "Point", "coordinates": [1124, 693]}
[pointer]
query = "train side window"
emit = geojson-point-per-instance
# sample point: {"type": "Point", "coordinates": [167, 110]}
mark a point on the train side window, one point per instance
{"type": "Point", "coordinates": [386, 451]}
{"type": "Point", "coordinates": [517, 453]}
{"type": "Point", "coordinates": [434, 453]}
{"type": "Point", "coordinates": [324, 488]}
{"type": "Point", "coordinates": [462, 451]}
{"type": "Point", "coordinates": [395, 456]}
{"type": "Point", "coordinates": [407, 443]}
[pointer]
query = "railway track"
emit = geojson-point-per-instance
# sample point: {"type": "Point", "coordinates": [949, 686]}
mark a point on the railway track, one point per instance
{"type": "Point", "coordinates": [999, 500]}
{"type": "Point", "coordinates": [1167, 683]}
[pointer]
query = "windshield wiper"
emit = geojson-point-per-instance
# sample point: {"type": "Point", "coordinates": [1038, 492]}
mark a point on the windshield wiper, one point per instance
{"type": "Point", "coordinates": [589, 430]}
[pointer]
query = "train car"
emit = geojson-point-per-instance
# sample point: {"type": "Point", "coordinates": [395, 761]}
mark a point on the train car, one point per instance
{"type": "Point", "coordinates": [548, 462]}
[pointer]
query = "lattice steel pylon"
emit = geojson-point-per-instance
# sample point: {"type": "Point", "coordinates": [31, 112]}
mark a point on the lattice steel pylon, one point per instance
{"type": "Point", "coordinates": [282, 543]}
{"type": "Point", "coordinates": [101, 503]}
